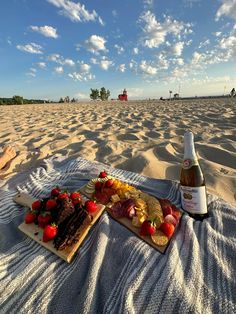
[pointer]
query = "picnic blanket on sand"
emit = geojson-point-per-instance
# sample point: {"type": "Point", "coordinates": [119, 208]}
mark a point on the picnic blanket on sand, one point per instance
{"type": "Point", "coordinates": [114, 271]}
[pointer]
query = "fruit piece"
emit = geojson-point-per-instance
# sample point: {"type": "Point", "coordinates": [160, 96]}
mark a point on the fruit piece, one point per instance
{"type": "Point", "coordinates": [30, 217]}
{"type": "Point", "coordinates": [44, 219]}
{"type": "Point", "coordinates": [98, 186]}
{"type": "Point", "coordinates": [51, 203]}
{"type": "Point", "coordinates": [103, 174]}
{"type": "Point", "coordinates": [167, 210]}
{"type": "Point", "coordinates": [170, 219]}
{"type": "Point", "coordinates": [176, 212]}
{"type": "Point", "coordinates": [49, 232]}
{"type": "Point", "coordinates": [36, 205]}
{"type": "Point", "coordinates": [159, 238]}
{"type": "Point", "coordinates": [109, 183]}
{"type": "Point", "coordinates": [75, 195]}
{"type": "Point", "coordinates": [167, 228]}
{"type": "Point", "coordinates": [147, 228]}
{"type": "Point", "coordinates": [55, 192]}
{"type": "Point", "coordinates": [91, 206]}
{"type": "Point", "coordinates": [63, 195]}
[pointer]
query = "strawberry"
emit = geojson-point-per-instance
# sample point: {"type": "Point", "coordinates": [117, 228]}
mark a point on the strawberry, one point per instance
{"type": "Point", "coordinates": [103, 174]}
{"type": "Point", "coordinates": [148, 228]}
{"type": "Point", "coordinates": [49, 232]}
{"type": "Point", "coordinates": [167, 228]}
{"type": "Point", "coordinates": [75, 195]}
{"type": "Point", "coordinates": [44, 219]}
{"type": "Point", "coordinates": [51, 203]}
{"type": "Point", "coordinates": [91, 206]}
{"type": "Point", "coordinates": [30, 217]}
{"type": "Point", "coordinates": [176, 212]}
{"type": "Point", "coordinates": [109, 183]}
{"type": "Point", "coordinates": [36, 205]}
{"type": "Point", "coordinates": [55, 192]}
{"type": "Point", "coordinates": [63, 195]}
{"type": "Point", "coordinates": [98, 186]}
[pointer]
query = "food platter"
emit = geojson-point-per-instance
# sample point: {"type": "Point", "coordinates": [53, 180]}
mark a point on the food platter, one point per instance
{"type": "Point", "coordinates": [73, 214]}
{"type": "Point", "coordinates": [159, 209]}
{"type": "Point", "coordinates": [36, 233]}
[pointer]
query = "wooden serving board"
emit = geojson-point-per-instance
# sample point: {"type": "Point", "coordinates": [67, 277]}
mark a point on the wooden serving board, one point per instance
{"type": "Point", "coordinates": [128, 224]}
{"type": "Point", "coordinates": [36, 233]}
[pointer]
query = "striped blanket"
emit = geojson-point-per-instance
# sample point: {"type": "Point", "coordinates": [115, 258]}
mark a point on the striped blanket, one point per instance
{"type": "Point", "coordinates": [114, 271]}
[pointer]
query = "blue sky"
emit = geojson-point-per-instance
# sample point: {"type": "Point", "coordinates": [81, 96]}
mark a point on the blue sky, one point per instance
{"type": "Point", "coordinates": [54, 48]}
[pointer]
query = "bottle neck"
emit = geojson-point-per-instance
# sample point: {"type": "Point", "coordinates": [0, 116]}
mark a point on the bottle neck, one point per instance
{"type": "Point", "coordinates": [189, 149]}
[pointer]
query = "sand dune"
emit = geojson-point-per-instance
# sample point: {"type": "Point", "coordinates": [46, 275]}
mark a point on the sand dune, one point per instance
{"type": "Point", "coordinates": [144, 137]}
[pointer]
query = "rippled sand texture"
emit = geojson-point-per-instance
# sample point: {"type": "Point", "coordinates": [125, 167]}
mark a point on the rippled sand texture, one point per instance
{"type": "Point", "coordinates": [144, 137]}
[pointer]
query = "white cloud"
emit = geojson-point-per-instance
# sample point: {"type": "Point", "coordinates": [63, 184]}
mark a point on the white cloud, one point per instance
{"type": "Point", "coordinates": [217, 34]}
{"type": "Point", "coordinates": [47, 31]}
{"type": "Point", "coordinates": [204, 43]}
{"type": "Point", "coordinates": [42, 65]}
{"type": "Point", "coordinates": [120, 49]}
{"type": "Point", "coordinates": [135, 92]}
{"type": "Point", "coordinates": [76, 76]}
{"type": "Point", "coordinates": [122, 68]}
{"type": "Point", "coordinates": [55, 57]}
{"type": "Point", "coordinates": [81, 96]}
{"type": "Point", "coordinates": [190, 3]}
{"type": "Point", "coordinates": [76, 12]}
{"type": "Point", "coordinates": [163, 63]}
{"type": "Point", "coordinates": [154, 32]}
{"type": "Point", "coordinates": [229, 44]}
{"type": "Point", "coordinates": [95, 44]}
{"type": "Point", "coordinates": [228, 8]}
{"type": "Point", "coordinates": [84, 67]}
{"type": "Point", "coordinates": [135, 50]}
{"type": "Point", "coordinates": [30, 48]}
{"type": "Point", "coordinates": [177, 48]}
{"type": "Point", "coordinates": [147, 68]}
{"type": "Point", "coordinates": [105, 64]}
{"type": "Point", "coordinates": [59, 70]}
{"type": "Point", "coordinates": [148, 3]}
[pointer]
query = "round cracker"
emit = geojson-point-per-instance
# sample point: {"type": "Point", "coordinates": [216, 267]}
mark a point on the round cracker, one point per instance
{"type": "Point", "coordinates": [159, 238]}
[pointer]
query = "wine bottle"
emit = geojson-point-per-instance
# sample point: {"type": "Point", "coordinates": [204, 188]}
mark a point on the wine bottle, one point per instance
{"type": "Point", "coordinates": [192, 182]}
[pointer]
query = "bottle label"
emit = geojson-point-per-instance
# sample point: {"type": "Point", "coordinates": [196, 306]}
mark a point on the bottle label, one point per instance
{"type": "Point", "coordinates": [188, 163]}
{"type": "Point", "coordinates": [194, 199]}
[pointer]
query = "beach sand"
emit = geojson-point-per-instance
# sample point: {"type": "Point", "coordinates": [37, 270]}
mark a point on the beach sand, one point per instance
{"type": "Point", "coordinates": [140, 136]}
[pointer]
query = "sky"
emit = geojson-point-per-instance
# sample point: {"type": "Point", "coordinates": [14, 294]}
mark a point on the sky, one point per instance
{"type": "Point", "coordinates": [56, 48]}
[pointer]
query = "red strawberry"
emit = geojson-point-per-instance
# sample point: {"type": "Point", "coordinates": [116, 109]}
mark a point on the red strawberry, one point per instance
{"type": "Point", "coordinates": [63, 195]}
{"type": "Point", "coordinates": [44, 219]}
{"type": "Point", "coordinates": [147, 228]}
{"type": "Point", "coordinates": [103, 174]}
{"type": "Point", "coordinates": [75, 195]}
{"type": "Point", "coordinates": [109, 183]}
{"type": "Point", "coordinates": [91, 206]}
{"type": "Point", "coordinates": [51, 203]}
{"type": "Point", "coordinates": [49, 232]}
{"type": "Point", "coordinates": [98, 186]}
{"type": "Point", "coordinates": [55, 192]}
{"type": "Point", "coordinates": [30, 217]}
{"type": "Point", "coordinates": [167, 228]}
{"type": "Point", "coordinates": [36, 205]}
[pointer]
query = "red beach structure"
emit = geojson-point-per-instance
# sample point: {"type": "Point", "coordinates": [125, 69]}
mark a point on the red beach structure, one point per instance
{"type": "Point", "coordinates": [124, 96]}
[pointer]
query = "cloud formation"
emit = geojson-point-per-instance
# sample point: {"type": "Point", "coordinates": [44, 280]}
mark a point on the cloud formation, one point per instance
{"type": "Point", "coordinates": [228, 8]}
{"type": "Point", "coordinates": [31, 48]}
{"type": "Point", "coordinates": [47, 31]}
{"type": "Point", "coordinates": [76, 12]}
{"type": "Point", "coordinates": [95, 44]}
{"type": "Point", "coordinates": [155, 32]}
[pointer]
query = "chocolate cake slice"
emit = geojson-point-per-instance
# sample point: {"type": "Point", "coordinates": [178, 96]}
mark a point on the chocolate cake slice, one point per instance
{"type": "Point", "coordinates": [68, 230]}
{"type": "Point", "coordinates": [64, 210]}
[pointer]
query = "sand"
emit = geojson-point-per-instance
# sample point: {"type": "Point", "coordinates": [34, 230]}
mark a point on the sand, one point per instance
{"type": "Point", "coordinates": [140, 136]}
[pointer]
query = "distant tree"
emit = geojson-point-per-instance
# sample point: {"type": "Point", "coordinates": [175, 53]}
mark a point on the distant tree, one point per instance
{"type": "Point", "coordinates": [18, 100]}
{"type": "Point", "coordinates": [73, 100]}
{"type": "Point", "coordinates": [104, 94]}
{"type": "Point", "coordinates": [67, 99]}
{"type": "Point", "coordinates": [61, 100]}
{"type": "Point", "coordinates": [94, 94]}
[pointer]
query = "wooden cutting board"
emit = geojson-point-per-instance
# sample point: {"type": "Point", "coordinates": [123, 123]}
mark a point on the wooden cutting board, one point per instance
{"type": "Point", "coordinates": [128, 224]}
{"type": "Point", "coordinates": [36, 233]}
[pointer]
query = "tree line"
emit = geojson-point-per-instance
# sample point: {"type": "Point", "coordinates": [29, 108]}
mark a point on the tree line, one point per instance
{"type": "Point", "coordinates": [19, 100]}
{"type": "Point", "coordinates": [103, 94]}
